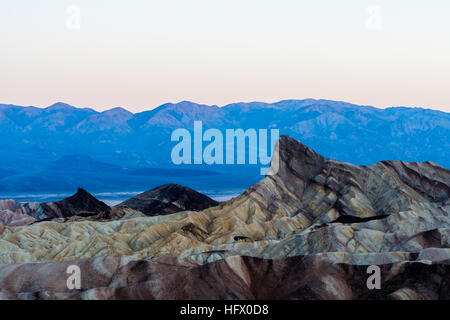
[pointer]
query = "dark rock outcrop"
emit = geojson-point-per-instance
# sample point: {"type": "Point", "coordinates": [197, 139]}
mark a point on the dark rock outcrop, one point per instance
{"type": "Point", "coordinates": [353, 219]}
{"type": "Point", "coordinates": [82, 203]}
{"type": "Point", "coordinates": [169, 198]}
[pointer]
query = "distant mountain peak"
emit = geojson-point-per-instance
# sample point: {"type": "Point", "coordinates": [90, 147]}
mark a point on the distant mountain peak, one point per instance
{"type": "Point", "coordinates": [186, 102]}
{"type": "Point", "coordinates": [247, 106]}
{"type": "Point", "coordinates": [190, 104]}
{"type": "Point", "coordinates": [60, 106]}
{"type": "Point", "coordinates": [118, 111]}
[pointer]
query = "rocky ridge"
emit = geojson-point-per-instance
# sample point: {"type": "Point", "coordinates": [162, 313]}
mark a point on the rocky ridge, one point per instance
{"type": "Point", "coordinates": [82, 203]}
{"type": "Point", "coordinates": [82, 206]}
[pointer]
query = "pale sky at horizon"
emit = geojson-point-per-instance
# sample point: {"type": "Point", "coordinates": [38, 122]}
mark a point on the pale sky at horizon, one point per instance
{"type": "Point", "coordinates": [140, 54]}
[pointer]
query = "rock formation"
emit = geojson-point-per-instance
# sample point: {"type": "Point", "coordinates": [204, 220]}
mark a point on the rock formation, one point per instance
{"type": "Point", "coordinates": [310, 277]}
{"type": "Point", "coordinates": [168, 199]}
{"type": "Point", "coordinates": [308, 231]}
{"type": "Point", "coordinates": [12, 215]}
{"type": "Point", "coordinates": [82, 203]}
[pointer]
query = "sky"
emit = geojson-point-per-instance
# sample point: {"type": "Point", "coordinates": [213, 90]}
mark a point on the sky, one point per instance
{"type": "Point", "coordinates": [140, 54]}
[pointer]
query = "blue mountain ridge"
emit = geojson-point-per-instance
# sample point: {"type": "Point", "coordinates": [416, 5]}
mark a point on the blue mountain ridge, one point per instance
{"type": "Point", "coordinates": [60, 147]}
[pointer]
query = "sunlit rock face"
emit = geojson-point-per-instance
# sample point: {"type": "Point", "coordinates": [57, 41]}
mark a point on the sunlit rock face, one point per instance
{"type": "Point", "coordinates": [327, 218]}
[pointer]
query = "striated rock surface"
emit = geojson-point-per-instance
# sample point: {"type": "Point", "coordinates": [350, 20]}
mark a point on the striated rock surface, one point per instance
{"type": "Point", "coordinates": [237, 277]}
{"type": "Point", "coordinates": [115, 213]}
{"type": "Point", "coordinates": [14, 218]}
{"type": "Point", "coordinates": [169, 198]}
{"type": "Point", "coordinates": [308, 230]}
{"type": "Point", "coordinates": [82, 203]}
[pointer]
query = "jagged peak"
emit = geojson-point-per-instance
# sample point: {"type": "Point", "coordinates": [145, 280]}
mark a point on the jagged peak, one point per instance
{"type": "Point", "coordinates": [81, 191]}
{"type": "Point", "coordinates": [82, 197]}
{"type": "Point", "coordinates": [292, 155]}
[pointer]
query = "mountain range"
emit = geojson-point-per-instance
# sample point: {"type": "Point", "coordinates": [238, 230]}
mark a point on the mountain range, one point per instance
{"type": "Point", "coordinates": [55, 148]}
